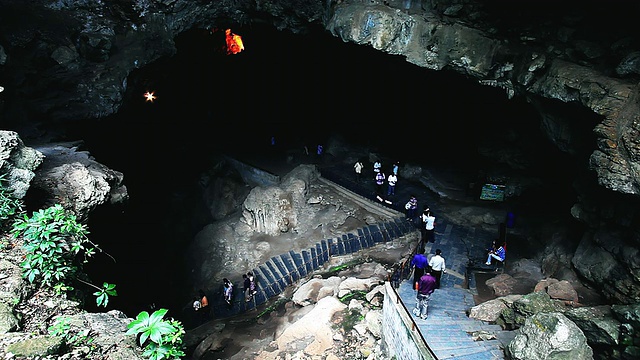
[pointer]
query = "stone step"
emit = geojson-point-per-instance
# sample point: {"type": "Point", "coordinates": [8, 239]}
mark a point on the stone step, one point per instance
{"type": "Point", "coordinates": [488, 355]}
{"type": "Point", "coordinates": [458, 352]}
{"type": "Point", "coordinates": [448, 330]}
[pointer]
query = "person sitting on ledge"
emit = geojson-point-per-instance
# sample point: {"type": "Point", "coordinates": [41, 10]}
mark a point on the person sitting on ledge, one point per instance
{"type": "Point", "coordinates": [499, 254]}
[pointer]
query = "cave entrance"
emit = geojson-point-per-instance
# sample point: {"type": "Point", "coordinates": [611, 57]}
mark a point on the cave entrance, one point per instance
{"type": "Point", "coordinates": [302, 89]}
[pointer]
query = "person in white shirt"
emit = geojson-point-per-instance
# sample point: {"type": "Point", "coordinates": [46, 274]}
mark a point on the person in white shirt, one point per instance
{"type": "Point", "coordinates": [429, 226]}
{"type": "Point", "coordinates": [391, 184]}
{"type": "Point", "coordinates": [358, 166]}
{"type": "Point", "coordinates": [438, 266]}
{"type": "Point", "coordinates": [377, 166]}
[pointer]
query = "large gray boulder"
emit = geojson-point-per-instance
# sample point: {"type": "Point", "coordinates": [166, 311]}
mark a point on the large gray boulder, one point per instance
{"type": "Point", "coordinates": [74, 179]}
{"type": "Point", "coordinates": [526, 306]}
{"type": "Point", "coordinates": [547, 336]}
{"type": "Point", "coordinates": [598, 323]}
{"type": "Point", "coordinates": [608, 261]}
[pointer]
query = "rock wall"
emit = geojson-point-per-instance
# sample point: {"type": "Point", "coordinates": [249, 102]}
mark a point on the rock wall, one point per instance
{"type": "Point", "coordinates": [562, 58]}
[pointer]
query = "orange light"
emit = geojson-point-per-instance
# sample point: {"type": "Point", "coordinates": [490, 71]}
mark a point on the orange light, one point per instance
{"type": "Point", "coordinates": [234, 42]}
{"type": "Point", "coordinates": [149, 96]}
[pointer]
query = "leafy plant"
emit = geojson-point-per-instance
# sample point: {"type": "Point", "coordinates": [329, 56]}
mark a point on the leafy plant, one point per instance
{"type": "Point", "coordinates": [102, 295]}
{"type": "Point", "coordinates": [56, 248]}
{"type": "Point", "coordinates": [62, 327]}
{"type": "Point", "coordinates": [9, 205]}
{"type": "Point", "coordinates": [161, 339]}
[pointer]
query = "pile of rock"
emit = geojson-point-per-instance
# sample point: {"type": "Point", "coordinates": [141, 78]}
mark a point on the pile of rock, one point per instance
{"type": "Point", "coordinates": [338, 317]}
{"type": "Point", "coordinates": [551, 320]}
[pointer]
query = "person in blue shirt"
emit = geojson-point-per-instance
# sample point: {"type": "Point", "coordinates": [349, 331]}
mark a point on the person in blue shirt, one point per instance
{"type": "Point", "coordinates": [499, 254]}
{"type": "Point", "coordinates": [419, 264]}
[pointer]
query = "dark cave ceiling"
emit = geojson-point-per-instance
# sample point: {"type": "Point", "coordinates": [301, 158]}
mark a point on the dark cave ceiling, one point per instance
{"type": "Point", "coordinates": [310, 83]}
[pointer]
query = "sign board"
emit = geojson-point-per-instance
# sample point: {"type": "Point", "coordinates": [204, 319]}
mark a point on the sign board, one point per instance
{"type": "Point", "coordinates": [492, 192]}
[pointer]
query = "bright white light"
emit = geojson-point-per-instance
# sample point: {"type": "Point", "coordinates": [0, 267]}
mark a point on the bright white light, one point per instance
{"type": "Point", "coordinates": [1, 89]}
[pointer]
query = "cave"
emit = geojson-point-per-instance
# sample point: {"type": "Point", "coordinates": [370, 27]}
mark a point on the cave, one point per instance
{"type": "Point", "coordinates": [210, 102]}
{"type": "Point", "coordinates": [303, 86]}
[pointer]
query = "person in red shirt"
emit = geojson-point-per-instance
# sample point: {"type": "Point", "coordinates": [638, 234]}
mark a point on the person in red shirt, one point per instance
{"type": "Point", "coordinates": [426, 286]}
{"type": "Point", "coordinates": [204, 307]}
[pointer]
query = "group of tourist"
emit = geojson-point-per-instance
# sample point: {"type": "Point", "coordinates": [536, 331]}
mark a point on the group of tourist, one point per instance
{"type": "Point", "coordinates": [380, 179]}
{"type": "Point", "coordinates": [200, 303]}
{"type": "Point", "coordinates": [249, 288]}
{"type": "Point", "coordinates": [427, 274]}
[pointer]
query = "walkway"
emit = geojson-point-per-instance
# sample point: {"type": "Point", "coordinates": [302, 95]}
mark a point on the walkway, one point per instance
{"type": "Point", "coordinates": [449, 332]}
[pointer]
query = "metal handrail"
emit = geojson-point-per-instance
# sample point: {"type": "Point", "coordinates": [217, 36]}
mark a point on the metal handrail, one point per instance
{"type": "Point", "coordinates": [414, 326]}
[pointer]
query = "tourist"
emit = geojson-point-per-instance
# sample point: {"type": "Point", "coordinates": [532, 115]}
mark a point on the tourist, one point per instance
{"type": "Point", "coordinates": [204, 308]}
{"type": "Point", "coordinates": [391, 184]}
{"type": "Point", "coordinates": [499, 254]}
{"type": "Point", "coordinates": [430, 227]}
{"type": "Point", "coordinates": [380, 179]}
{"type": "Point", "coordinates": [227, 290]}
{"type": "Point", "coordinates": [426, 286]}
{"type": "Point", "coordinates": [358, 166]}
{"type": "Point", "coordinates": [377, 166]}
{"type": "Point", "coordinates": [411, 206]}
{"type": "Point", "coordinates": [419, 262]}
{"type": "Point", "coordinates": [246, 284]}
{"type": "Point", "coordinates": [438, 266]}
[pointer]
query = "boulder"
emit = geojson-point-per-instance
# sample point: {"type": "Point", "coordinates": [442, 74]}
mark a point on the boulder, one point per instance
{"type": "Point", "coordinates": [17, 163]}
{"type": "Point", "coordinates": [502, 284]}
{"type": "Point", "coordinates": [488, 311]}
{"type": "Point", "coordinates": [352, 284]}
{"type": "Point", "coordinates": [74, 179]}
{"type": "Point", "coordinates": [314, 329]}
{"type": "Point", "coordinates": [613, 265]}
{"type": "Point", "coordinates": [549, 336]}
{"type": "Point", "coordinates": [527, 306]}
{"type": "Point", "coordinates": [562, 290]}
{"type": "Point", "coordinates": [598, 324]}
{"type": "Point", "coordinates": [316, 289]}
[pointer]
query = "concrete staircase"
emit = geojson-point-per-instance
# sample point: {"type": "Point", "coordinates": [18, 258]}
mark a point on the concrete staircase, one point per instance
{"type": "Point", "coordinates": [449, 332]}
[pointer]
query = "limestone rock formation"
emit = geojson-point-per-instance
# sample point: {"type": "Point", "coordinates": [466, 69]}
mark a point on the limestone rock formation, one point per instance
{"type": "Point", "coordinates": [74, 179]}
{"type": "Point", "coordinates": [546, 336]}
{"type": "Point", "coordinates": [609, 262]}
{"type": "Point", "coordinates": [293, 215]}
{"type": "Point", "coordinates": [18, 163]}
{"type": "Point", "coordinates": [598, 324]}
{"type": "Point", "coordinates": [59, 173]}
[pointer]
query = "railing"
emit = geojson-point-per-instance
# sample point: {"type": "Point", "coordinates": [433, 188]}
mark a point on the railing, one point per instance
{"type": "Point", "coordinates": [401, 336]}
